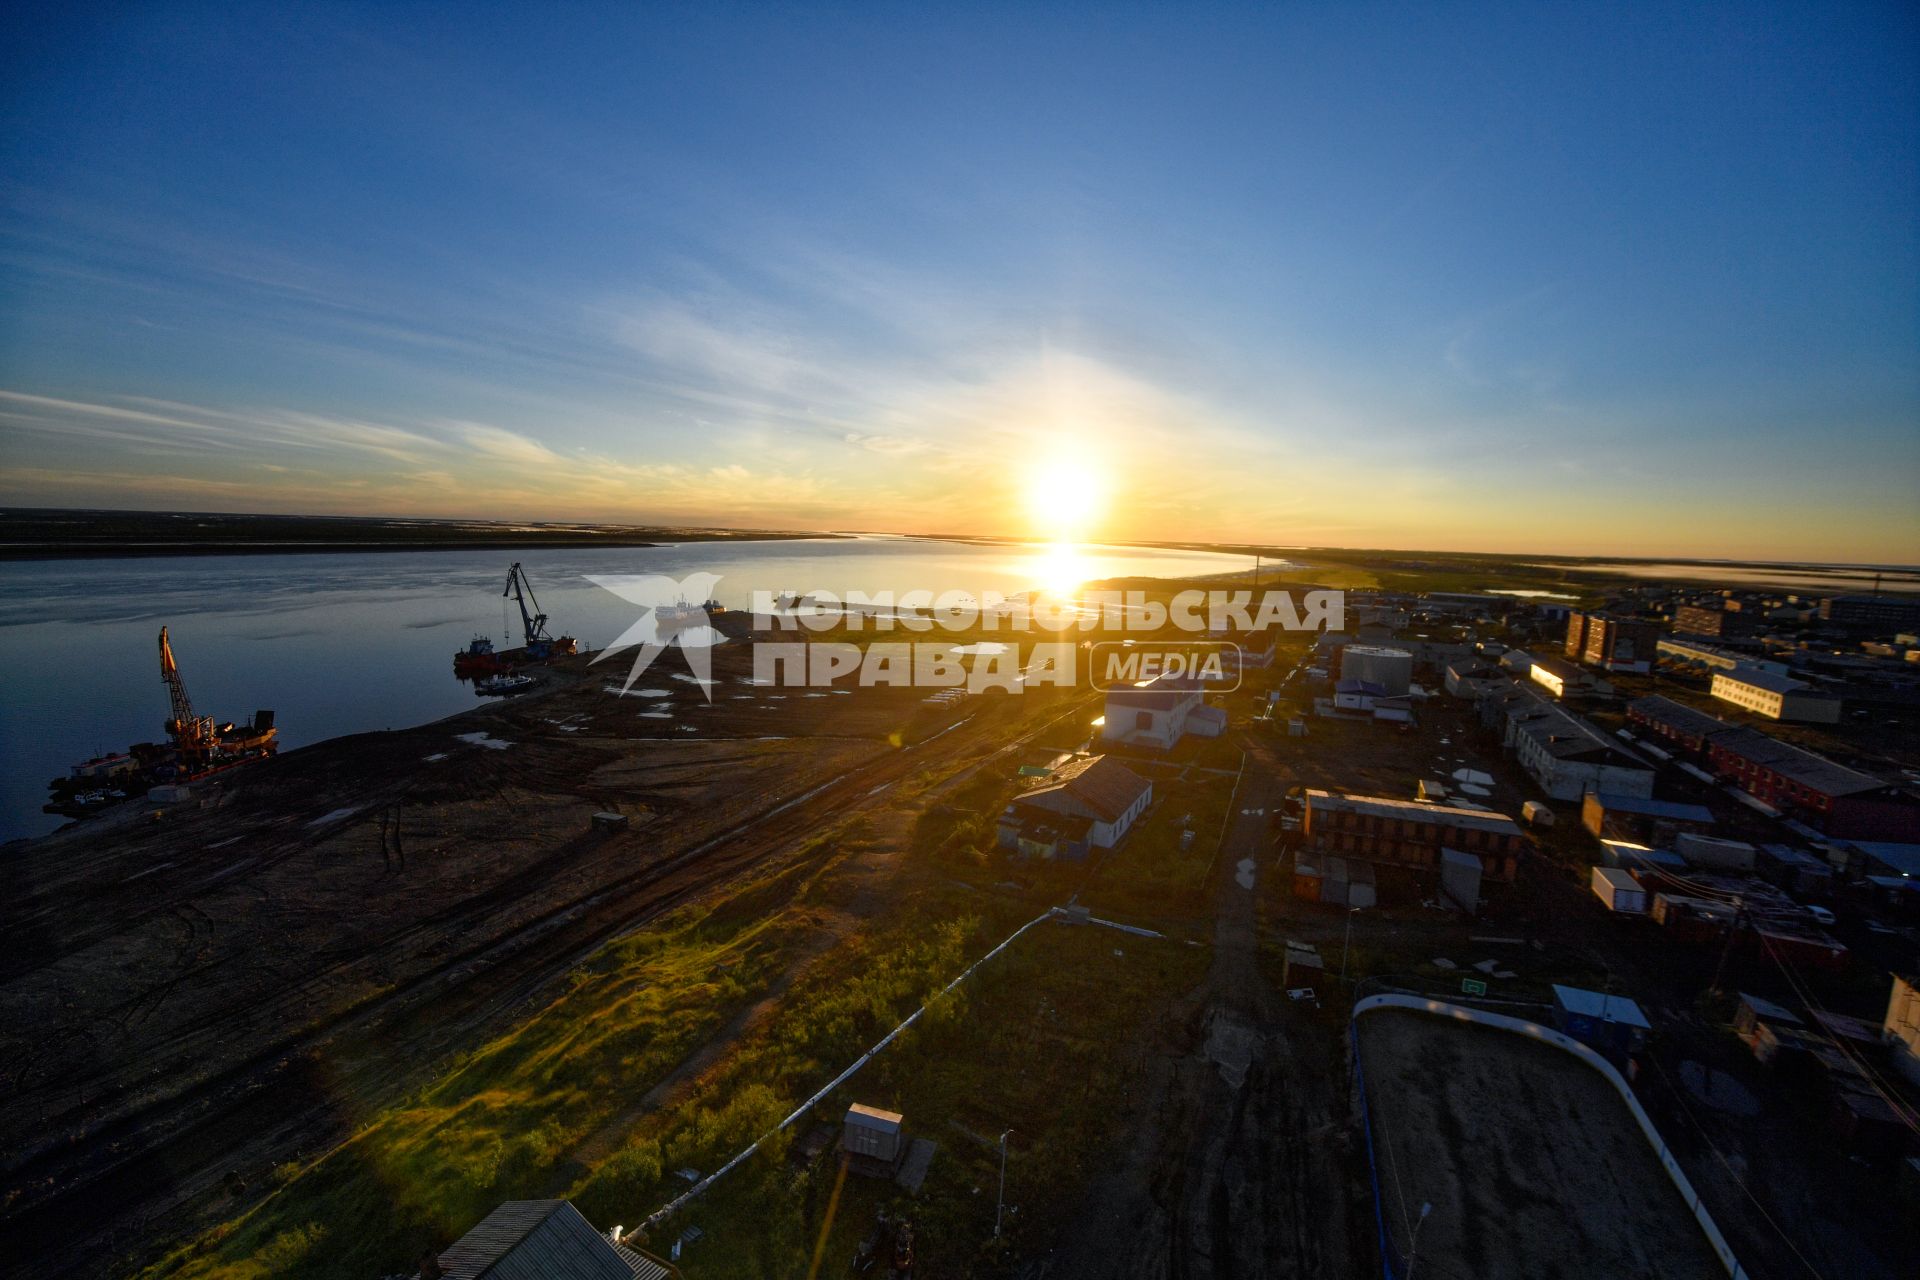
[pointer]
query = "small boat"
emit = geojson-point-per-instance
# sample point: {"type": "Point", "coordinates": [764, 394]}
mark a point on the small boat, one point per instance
{"type": "Point", "coordinates": [681, 614]}
{"type": "Point", "coordinates": [497, 686]}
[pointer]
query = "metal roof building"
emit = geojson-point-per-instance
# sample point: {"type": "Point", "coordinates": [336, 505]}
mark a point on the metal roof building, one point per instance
{"type": "Point", "coordinates": [543, 1240]}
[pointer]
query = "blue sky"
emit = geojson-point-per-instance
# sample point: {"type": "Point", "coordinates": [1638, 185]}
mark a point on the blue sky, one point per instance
{"type": "Point", "coordinates": [1583, 279]}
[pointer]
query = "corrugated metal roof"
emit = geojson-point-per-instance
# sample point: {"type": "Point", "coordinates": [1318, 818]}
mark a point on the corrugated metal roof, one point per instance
{"type": "Point", "coordinates": [644, 1268]}
{"type": "Point", "coordinates": [536, 1240]}
{"type": "Point", "coordinates": [1100, 787]}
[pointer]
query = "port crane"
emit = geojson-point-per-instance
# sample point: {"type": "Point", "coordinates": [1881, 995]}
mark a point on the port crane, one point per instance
{"type": "Point", "coordinates": [533, 623]}
{"type": "Point", "coordinates": [197, 739]}
{"type": "Point", "coordinates": [189, 732]}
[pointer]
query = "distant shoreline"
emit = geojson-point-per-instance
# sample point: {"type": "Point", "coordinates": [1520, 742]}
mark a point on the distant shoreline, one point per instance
{"type": "Point", "coordinates": [39, 534]}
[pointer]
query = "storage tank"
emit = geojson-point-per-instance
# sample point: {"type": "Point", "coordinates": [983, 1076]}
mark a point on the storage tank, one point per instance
{"type": "Point", "coordinates": [1391, 669]}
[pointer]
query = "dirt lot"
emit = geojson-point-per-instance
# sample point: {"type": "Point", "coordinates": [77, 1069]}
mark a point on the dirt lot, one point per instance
{"type": "Point", "coordinates": [1532, 1164]}
{"type": "Point", "coordinates": [191, 998]}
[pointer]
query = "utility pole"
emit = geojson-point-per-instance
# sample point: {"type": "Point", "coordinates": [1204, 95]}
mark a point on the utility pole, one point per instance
{"type": "Point", "coordinates": [1001, 1202]}
{"type": "Point", "coordinates": [1413, 1245]}
{"type": "Point", "coordinates": [1346, 943]}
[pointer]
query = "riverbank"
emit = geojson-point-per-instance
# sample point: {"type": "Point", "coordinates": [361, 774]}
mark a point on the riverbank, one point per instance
{"type": "Point", "coordinates": [47, 534]}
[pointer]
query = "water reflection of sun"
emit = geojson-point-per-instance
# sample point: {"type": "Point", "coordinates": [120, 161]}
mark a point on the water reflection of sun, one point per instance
{"type": "Point", "coordinates": [1059, 568]}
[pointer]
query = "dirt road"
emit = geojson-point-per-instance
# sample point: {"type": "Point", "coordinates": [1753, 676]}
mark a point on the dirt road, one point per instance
{"type": "Point", "coordinates": [1237, 1164]}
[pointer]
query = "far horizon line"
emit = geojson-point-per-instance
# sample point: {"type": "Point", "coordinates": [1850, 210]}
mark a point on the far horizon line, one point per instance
{"type": "Point", "coordinates": [1193, 544]}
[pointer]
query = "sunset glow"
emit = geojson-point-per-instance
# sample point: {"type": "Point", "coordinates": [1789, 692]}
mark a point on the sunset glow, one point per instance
{"type": "Point", "coordinates": [1064, 498]}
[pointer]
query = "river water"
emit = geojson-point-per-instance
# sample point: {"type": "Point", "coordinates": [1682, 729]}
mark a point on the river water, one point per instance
{"type": "Point", "coordinates": [344, 643]}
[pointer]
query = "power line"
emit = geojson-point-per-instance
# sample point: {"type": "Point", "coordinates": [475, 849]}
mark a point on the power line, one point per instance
{"type": "Point", "coordinates": [1680, 1096]}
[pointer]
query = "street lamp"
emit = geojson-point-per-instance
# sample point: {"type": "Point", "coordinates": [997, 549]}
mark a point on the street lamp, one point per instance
{"type": "Point", "coordinates": [1001, 1202]}
{"type": "Point", "coordinates": [1347, 942]}
{"type": "Point", "coordinates": [1413, 1245]}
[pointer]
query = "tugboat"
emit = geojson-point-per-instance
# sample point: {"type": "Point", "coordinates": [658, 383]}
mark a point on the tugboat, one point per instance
{"type": "Point", "coordinates": [479, 659]}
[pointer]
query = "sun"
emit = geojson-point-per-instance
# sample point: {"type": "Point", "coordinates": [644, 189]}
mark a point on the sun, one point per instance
{"type": "Point", "coordinates": [1063, 497]}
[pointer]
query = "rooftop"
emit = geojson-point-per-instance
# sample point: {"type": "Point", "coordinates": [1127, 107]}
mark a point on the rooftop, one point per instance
{"type": "Point", "coordinates": [1095, 787]}
{"type": "Point", "coordinates": [1162, 693]}
{"type": "Point", "coordinates": [1598, 1004]}
{"type": "Point", "coordinates": [1415, 810]}
{"type": "Point", "coordinates": [1758, 679]}
{"type": "Point", "coordinates": [1677, 715]}
{"type": "Point", "coordinates": [1815, 772]}
{"type": "Point", "coordinates": [542, 1240]}
{"type": "Point", "coordinates": [1654, 808]}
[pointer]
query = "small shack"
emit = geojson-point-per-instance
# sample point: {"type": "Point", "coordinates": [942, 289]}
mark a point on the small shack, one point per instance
{"type": "Point", "coordinates": [608, 822]}
{"type": "Point", "coordinates": [872, 1136]}
{"type": "Point", "coordinates": [1611, 1024]}
{"type": "Point", "coordinates": [1765, 1027]}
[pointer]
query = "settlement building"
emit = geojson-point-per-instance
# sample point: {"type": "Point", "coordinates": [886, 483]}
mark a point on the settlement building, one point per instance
{"type": "Point", "coordinates": [1156, 713]}
{"type": "Point", "coordinates": [1404, 840]}
{"type": "Point", "coordinates": [1828, 796]}
{"type": "Point", "coordinates": [1390, 669]}
{"type": "Point", "coordinates": [1611, 643]}
{"type": "Point", "coordinates": [1702, 656]}
{"type": "Point", "coordinates": [1902, 1025]}
{"type": "Point", "coordinates": [1564, 679]}
{"type": "Point", "coordinates": [1715, 620]}
{"type": "Point", "coordinates": [1776, 697]}
{"type": "Point", "coordinates": [1089, 803]}
{"type": "Point", "coordinates": [1569, 757]}
{"type": "Point", "coordinates": [1872, 613]}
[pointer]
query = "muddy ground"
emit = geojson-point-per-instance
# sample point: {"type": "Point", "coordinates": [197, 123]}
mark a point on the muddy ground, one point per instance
{"type": "Point", "coordinates": [192, 996]}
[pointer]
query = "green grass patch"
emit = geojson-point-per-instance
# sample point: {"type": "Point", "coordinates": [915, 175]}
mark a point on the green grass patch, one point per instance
{"type": "Point", "coordinates": [505, 1117]}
